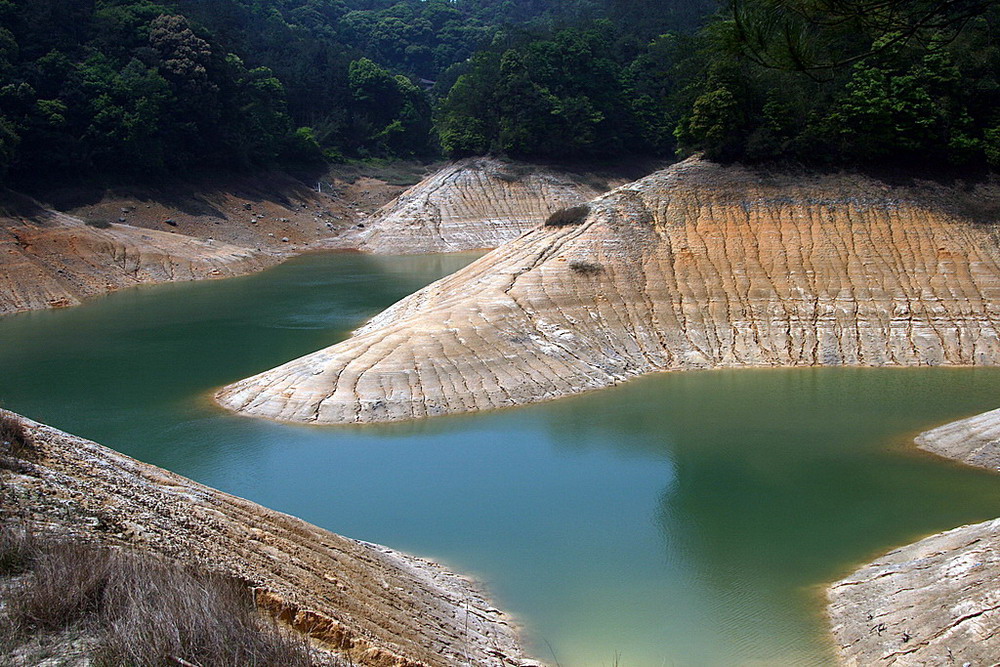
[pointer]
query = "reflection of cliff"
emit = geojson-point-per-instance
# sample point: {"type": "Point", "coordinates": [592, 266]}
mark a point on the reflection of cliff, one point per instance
{"type": "Point", "coordinates": [696, 266]}
{"type": "Point", "coordinates": [366, 604]}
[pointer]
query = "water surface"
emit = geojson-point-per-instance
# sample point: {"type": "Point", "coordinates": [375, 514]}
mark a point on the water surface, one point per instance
{"type": "Point", "coordinates": [681, 519]}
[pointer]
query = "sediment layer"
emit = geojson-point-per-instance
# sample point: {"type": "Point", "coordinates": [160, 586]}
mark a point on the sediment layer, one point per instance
{"type": "Point", "coordinates": [366, 604]}
{"type": "Point", "coordinates": [57, 260]}
{"type": "Point", "coordinates": [473, 204]}
{"type": "Point", "coordinates": [974, 441]}
{"type": "Point", "coordinates": [695, 266]}
{"type": "Point", "coordinates": [935, 602]}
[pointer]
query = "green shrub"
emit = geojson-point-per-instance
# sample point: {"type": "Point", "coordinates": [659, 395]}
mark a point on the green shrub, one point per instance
{"type": "Point", "coordinates": [565, 217]}
{"type": "Point", "coordinates": [585, 268]}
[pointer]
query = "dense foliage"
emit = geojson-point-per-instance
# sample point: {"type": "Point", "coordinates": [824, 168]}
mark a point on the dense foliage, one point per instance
{"type": "Point", "coordinates": [845, 82]}
{"type": "Point", "coordinates": [817, 81]}
{"type": "Point", "coordinates": [151, 87]}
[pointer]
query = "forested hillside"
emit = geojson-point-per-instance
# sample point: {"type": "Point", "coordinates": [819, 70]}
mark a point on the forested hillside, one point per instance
{"type": "Point", "coordinates": [142, 89]}
{"type": "Point", "coordinates": [828, 82]}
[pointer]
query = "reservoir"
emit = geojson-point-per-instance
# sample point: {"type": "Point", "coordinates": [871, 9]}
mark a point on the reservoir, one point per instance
{"type": "Point", "coordinates": [680, 519]}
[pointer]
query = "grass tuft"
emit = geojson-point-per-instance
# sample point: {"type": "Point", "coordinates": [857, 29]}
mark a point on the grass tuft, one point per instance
{"type": "Point", "coordinates": [140, 611]}
{"type": "Point", "coordinates": [14, 438]}
{"type": "Point", "coordinates": [18, 549]}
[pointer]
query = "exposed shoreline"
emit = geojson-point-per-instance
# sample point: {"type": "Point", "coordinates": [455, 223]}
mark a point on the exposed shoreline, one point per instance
{"type": "Point", "coordinates": [937, 600]}
{"type": "Point", "coordinates": [694, 267]}
{"type": "Point", "coordinates": [361, 602]}
{"type": "Point", "coordinates": [100, 242]}
{"type": "Point", "coordinates": [899, 585]}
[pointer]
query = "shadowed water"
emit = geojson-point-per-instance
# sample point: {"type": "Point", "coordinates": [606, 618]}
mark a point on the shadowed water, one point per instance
{"type": "Point", "coordinates": [681, 519]}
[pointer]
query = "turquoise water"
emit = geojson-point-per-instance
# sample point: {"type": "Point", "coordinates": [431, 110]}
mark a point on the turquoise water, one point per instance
{"type": "Point", "coordinates": [681, 519]}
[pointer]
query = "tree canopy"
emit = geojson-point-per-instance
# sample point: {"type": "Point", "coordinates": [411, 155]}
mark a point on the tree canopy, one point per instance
{"type": "Point", "coordinates": [144, 88]}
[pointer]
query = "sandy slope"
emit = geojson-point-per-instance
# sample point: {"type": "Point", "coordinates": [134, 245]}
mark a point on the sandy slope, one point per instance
{"type": "Point", "coordinates": [695, 266]}
{"type": "Point", "coordinates": [472, 204]}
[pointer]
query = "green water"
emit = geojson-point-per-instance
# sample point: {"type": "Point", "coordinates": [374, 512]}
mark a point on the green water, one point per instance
{"type": "Point", "coordinates": [681, 519]}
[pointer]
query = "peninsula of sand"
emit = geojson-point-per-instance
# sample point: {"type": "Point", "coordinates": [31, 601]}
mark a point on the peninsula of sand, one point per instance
{"type": "Point", "coordinates": [695, 266]}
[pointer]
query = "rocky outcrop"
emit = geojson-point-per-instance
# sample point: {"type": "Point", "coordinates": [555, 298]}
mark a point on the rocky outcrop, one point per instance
{"type": "Point", "coordinates": [975, 441]}
{"type": "Point", "coordinates": [214, 227]}
{"type": "Point", "coordinates": [472, 204]}
{"type": "Point", "coordinates": [56, 260]}
{"type": "Point", "coordinates": [935, 602]}
{"type": "Point", "coordinates": [365, 603]}
{"type": "Point", "coordinates": [695, 266]}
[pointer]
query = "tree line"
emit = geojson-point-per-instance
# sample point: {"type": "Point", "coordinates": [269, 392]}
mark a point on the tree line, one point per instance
{"type": "Point", "coordinates": [823, 82]}
{"type": "Point", "coordinates": [146, 88]}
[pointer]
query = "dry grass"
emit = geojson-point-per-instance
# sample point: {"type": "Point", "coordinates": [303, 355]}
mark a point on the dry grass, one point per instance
{"type": "Point", "coordinates": [18, 548]}
{"type": "Point", "coordinates": [572, 215]}
{"type": "Point", "coordinates": [14, 438]}
{"type": "Point", "coordinates": [141, 611]}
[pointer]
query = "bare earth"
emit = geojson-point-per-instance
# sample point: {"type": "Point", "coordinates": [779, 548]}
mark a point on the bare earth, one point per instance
{"type": "Point", "coordinates": [362, 603]}
{"type": "Point", "coordinates": [231, 226]}
{"type": "Point", "coordinates": [695, 266]}
{"type": "Point", "coordinates": [51, 258]}
{"type": "Point", "coordinates": [472, 204]}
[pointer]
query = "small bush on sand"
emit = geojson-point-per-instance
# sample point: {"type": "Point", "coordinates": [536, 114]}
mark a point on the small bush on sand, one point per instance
{"type": "Point", "coordinates": [564, 217]}
{"type": "Point", "coordinates": [585, 268]}
{"type": "Point", "coordinates": [14, 438]}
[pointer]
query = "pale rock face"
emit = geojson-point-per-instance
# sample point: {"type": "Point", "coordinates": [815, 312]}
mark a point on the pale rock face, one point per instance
{"type": "Point", "coordinates": [472, 204]}
{"type": "Point", "coordinates": [975, 441]}
{"type": "Point", "coordinates": [366, 604]}
{"type": "Point", "coordinates": [695, 266]}
{"type": "Point", "coordinates": [935, 602]}
{"type": "Point", "coordinates": [61, 261]}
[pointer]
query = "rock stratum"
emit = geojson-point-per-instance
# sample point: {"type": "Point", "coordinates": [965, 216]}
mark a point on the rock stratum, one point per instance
{"type": "Point", "coordinates": [56, 260]}
{"type": "Point", "coordinates": [696, 266]}
{"type": "Point", "coordinates": [935, 602]}
{"type": "Point", "coordinates": [472, 204]}
{"type": "Point", "coordinates": [362, 603]}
